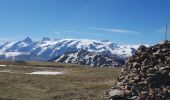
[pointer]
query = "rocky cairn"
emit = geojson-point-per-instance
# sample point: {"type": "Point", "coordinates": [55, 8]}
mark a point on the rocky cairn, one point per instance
{"type": "Point", "coordinates": [145, 75]}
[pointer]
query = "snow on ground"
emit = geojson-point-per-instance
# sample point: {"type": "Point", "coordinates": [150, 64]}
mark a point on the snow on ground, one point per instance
{"type": "Point", "coordinates": [2, 65]}
{"type": "Point", "coordinates": [5, 71]}
{"type": "Point", "coordinates": [7, 46]}
{"type": "Point", "coordinates": [46, 73]}
{"type": "Point", "coordinates": [35, 73]}
{"type": "Point", "coordinates": [13, 54]}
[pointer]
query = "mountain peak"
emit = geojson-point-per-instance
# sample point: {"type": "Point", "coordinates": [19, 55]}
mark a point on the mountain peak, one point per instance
{"type": "Point", "coordinates": [93, 59]}
{"type": "Point", "coordinates": [27, 40]}
{"type": "Point", "coordinates": [45, 39]}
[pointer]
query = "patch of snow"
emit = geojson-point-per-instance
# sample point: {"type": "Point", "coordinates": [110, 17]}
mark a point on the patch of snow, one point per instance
{"type": "Point", "coordinates": [23, 44]}
{"type": "Point", "coordinates": [72, 43]}
{"type": "Point", "coordinates": [46, 73]}
{"type": "Point", "coordinates": [7, 46]}
{"type": "Point", "coordinates": [13, 54]}
{"type": "Point", "coordinates": [3, 65]}
{"type": "Point", "coordinates": [74, 55]}
{"type": "Point", "coordinates": [47, 43]}
{"type": "Point", "coordinates": [59, 58]}
{"type": "Point", "coordinates": [5, 71]}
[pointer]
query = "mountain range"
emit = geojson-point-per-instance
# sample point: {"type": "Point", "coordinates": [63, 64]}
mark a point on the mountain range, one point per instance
{"type": "Point", "coordinates": [92, 59]}
{"type": "Point", "coordinates": [54, 49]}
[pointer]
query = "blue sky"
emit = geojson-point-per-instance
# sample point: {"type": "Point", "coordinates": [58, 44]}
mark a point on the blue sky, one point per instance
{"type": "Point", "coordinates": [119, 21]}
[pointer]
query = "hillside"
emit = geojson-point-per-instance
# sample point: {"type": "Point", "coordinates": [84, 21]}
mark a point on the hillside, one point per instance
{"type": "Point", "coordinates": [91, 59]}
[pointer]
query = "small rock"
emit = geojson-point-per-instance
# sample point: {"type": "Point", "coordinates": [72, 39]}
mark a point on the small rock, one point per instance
{"type": "Point", "coordinates": [128, 92]}
{"type": "Point", "coordinates": [151, 75]}
{"type": "Point", "coordinates": [145, 62]}
{"type": "Point", "coordinates": [151, 70]}
{"type": "Point", "coordinates": [144, 68]}
{"type": "Point", "coordinates": [119, 84]}
{"type": "Point", "coordinates": [133, 98]}
{"type": "Point", "coordinates": [136, 78]}
{"type": "Point", "coordinates": [136, 65]}
{"type": "Point", "coordinates": [142, 83]}
{"type": "Point", "coordinates": [148, 80]}
{"type": "Point", "coordinates": [115, 92]}
{"type": "Point", "coordinates": [128, 86]}
{"type": "Point", "coordinates": [165, 90]}
{"type": "Point", "coordinates": [164, 72]}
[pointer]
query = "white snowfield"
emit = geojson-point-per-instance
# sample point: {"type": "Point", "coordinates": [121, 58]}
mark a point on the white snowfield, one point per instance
{"type": "Point", "coordinates": [46, 73]}
{"type": "Point", "coordinates": [13, 54]}
{"type": "Point", "coordinates": [2, 65]}
{"type": "Point", "coordinates": [36, 72]}
{"type": "Point", "coordinates": [46, 48]}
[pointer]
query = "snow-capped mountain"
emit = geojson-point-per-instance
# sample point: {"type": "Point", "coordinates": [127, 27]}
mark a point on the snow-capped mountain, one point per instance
{"type": "Point", "coordinates": [92, 59]}
{"type": "Point", "coordinates": [47, 48]}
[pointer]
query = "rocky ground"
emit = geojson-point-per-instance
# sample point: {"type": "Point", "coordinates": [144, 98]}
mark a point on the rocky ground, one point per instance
{"type": "Point", "coordinates": [145, 76]}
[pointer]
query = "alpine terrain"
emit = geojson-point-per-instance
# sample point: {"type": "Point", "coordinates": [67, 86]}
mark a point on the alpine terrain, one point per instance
{"type": "Point", "coordinates": [82, 51]}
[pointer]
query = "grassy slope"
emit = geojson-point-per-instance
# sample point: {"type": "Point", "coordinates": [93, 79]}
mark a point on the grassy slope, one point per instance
{"type": "Point", "coordinates": [78, 83]}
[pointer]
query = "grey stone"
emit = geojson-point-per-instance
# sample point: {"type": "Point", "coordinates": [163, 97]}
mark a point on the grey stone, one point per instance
{"type": "Point", "coordinates": [151, 70]}
{"type": "Point", "coordinates": [163, 72]}
{"type": "Point", "coordinates": [136, 65]}
{"type": "Point", "coordinates": [145, 62]}
{"type": "Point", "coordinates": [151, 75]}
{"type": "Point", "coordinates": [119, 84]}
{"type": "Point", "coordinates": [115, 92]}
{"type": "Point", "coordinates": [142, 83]}
{"type": "Point", "coordinates": [133, 98]}
{"type": "Point", "coordinates": [148, 79]}
{"type": "Point", "coordinates": [167, 67]}
{"type": "Point", "coordinates": [144, 68]}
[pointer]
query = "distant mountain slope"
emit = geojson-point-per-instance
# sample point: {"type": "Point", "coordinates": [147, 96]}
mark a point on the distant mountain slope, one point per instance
{"type": "Point", "coordinates": [47, 48]}
{"type": "Point", "coordinates": [92, 59]}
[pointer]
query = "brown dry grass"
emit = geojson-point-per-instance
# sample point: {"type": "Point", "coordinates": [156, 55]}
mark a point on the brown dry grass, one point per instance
{"type": "Point", "coordinates": [78, 82]}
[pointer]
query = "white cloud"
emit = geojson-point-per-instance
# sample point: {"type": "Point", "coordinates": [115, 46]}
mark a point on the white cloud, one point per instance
{"type": "Point", "coordinates": [113, 30]}
{"type": "Point", "coordinates": [78, 32]}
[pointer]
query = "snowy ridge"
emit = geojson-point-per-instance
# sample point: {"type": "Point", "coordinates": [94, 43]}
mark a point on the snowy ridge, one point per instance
{"type": "Point", "coordinates": [92, 59]}
{"type": "Point", "coordinates": [47, 48]}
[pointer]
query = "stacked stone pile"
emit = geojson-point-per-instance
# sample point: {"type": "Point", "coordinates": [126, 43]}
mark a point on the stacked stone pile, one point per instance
{"type": "Point", "coordinates": [145, 76]}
